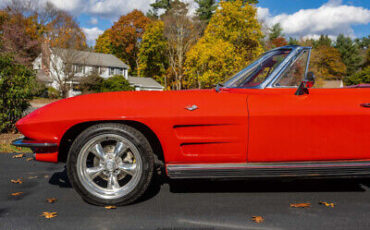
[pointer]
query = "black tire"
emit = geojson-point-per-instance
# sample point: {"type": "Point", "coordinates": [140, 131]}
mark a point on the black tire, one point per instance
{"type": "Point", "coordinates": [128, 132]}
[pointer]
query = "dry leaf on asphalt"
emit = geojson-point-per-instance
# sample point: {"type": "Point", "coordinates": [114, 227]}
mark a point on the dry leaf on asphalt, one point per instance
{"type": "Point", "coordinates": [49, 215]}
{"type": "Point", "coordinates": [32, 177]}
{"type": "Point", "coordinates": [51, 200]}
{"type": "Point", "coordinates": [16, 193]}
{"type": "Point", "coordinates": [327, 204]}
{"type": "Point", "coordinates": [17, 181]}
{"type": "Point", "coordinates": [18, 155]}
{"type": "Point", "coordinates": [257, 219]}
{"type": "Point", "coordinates": [29, 159]}
{"type": "Point", "coordinates": [110, 207]}
{"type": "Point", "coordinates": [300, 205]}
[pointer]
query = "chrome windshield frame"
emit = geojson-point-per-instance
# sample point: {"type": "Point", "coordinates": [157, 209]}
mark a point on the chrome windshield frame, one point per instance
{"type": "Point", "coordinates": [269, 81]}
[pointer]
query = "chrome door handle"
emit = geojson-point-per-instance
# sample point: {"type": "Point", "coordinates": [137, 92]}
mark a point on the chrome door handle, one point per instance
{"type": "Point", "coordinates": [366, 105]}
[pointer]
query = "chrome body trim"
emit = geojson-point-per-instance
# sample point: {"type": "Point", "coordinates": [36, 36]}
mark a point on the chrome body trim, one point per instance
{"type": "Point", "coordinates": [23, 142]}
{"type": "Point", "coordinates": [269, 169]}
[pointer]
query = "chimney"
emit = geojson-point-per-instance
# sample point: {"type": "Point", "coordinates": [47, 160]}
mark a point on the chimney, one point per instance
{"type": "Point", "coordinates": [45, 56]}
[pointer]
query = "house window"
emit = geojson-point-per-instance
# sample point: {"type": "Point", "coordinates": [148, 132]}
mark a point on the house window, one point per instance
{"type": "Point", "coordinates": [102, 70]}
{"type": "Point", "coordinates": [111, 71]}
{"type": "Point", "coordinates": [119, 71]}
{"type": "Point", "coordinates": [78, 68]}
{"type": "Point", "coordinates": [95, 69]}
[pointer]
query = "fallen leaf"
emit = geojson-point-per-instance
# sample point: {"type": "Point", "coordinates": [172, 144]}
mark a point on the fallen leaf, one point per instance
{"type": "Point", "coordinates": [110, 207]}
{"type": "Point", "coordinates": [51, 200]}
{"type": "Point", "coordinates": [327, 204]}
{"type": "Point", "coordinates": [300, 205]}
{"type": "Point", "coordinates": [32, 177]}
{"type": "Point", "coordinates": [46, 176]}
{"type": "Point", "coordinates": [16, 193]}
{"type": "Point", "coordinates": [18, 155]}
{"type": "Point", "coordinates": [257, 219]}
{"type": "Point", "coordinates": [29, 159]}
{"type": "Point", "coordinates": [49, 215]}
{"type": "Point", "coordinates": [17, 181]}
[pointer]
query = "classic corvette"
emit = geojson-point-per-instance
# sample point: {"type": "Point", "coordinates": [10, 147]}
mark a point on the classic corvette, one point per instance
{"type": "Point", "coordinates": [266, 121]}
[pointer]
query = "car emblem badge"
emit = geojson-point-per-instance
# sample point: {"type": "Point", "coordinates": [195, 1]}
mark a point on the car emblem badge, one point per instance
{"type": "Point", "coordinates": [191, 107]}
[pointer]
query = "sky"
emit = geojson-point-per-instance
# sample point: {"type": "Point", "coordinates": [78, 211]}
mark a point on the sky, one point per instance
{"type": "Point", "coordinates": [298, 18]}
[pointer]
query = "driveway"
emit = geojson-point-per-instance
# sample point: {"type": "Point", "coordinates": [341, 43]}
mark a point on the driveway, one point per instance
{"type": "Point", "coordinates": [181, 204]}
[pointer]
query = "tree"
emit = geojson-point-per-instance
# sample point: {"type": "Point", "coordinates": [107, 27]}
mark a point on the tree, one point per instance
{"type": "Point", "coordinates": [104, 43]}
{"type": "Point", "coordinates": [62, 62]}
{"type": "Point", "coordinates": [293, 41]}
{"type": "Point", "coordinates": [16, 84]}
{"type": "Point", "coordinates": [231, 40]}
{"type": "Point", "coordinates": [126, 35]}
{"type": "Point", "coordinates": [362, 77]}
{"type": "Point", "coordinates": [245, 1]}
{"type": "Point", "coordinates": [349, 53]}
{"type": "Point", "coordinates": [153, 61]}
{"type": "Point", "coordinates": [276, 31]}
{"type": "Point", "coordinates": [206, 9]}
{"type": "Point", "coordinates": [159, 5]}
{"type": "Point", "coordinates": [324, 40]}
{"type": "Point", "coordinates": [181, 33]}
{"type": "Point", "coordinates": [327, 63]}
{"type": "Point", "coordinates": [18, 36]}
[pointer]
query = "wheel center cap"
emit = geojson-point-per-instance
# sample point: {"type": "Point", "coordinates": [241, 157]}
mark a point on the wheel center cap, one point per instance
{"type": "Point", "coordinates": [110, 165]}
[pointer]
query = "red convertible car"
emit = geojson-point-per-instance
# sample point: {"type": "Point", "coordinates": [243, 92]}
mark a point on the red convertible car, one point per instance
{"type": "Point", "coordinates": [264, 122]}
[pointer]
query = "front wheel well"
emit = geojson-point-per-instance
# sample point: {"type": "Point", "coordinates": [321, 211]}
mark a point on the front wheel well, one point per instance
{"type": "Point", "coordinates": [71, 134]}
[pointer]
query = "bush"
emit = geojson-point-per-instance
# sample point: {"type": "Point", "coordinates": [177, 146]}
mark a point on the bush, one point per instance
{"type": "Point", "coordinates": [16, 85]}
{"type": "Point", "coordinates": [53, 93]}
{"type": "Point", "coordinates": [116, 83]}
{"type": "Point", "coordinates": [362, 77]}
{"type": "Point", "coordinates": [92, 83]}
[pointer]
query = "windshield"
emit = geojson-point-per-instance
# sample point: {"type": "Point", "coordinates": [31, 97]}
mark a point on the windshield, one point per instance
{"type": "Point", "coordinates": [258, 71]}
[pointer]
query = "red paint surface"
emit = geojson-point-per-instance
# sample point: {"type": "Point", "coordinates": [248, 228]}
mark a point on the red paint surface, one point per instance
{"type": "Point", "coordinates": [234, 125]}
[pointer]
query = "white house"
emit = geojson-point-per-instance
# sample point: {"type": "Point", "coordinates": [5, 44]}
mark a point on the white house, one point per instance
{"type": "Point", "coordinates": [57, 66]}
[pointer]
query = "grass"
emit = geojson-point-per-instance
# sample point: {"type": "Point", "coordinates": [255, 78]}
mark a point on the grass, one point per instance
{"type": "Point", "coordinates": [8, 148]}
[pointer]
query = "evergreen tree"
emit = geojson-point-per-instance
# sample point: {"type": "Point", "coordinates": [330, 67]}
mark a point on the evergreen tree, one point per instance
{"type": "Point", "coordinates": [206, 9]}
{"type": "Point", "coordinates": [349, 53]}
{"type": "Point", "coordinates": [324, 40]}
{"type": "Point", "coordinates": [275, 32]}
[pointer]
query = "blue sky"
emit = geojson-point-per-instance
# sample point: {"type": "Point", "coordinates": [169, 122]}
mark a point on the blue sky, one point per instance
{"type": "Point", "coordinates": [299, 18]}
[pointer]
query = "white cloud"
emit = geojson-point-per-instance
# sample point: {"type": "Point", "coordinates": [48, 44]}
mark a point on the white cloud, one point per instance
{"type": "Point", "coordinates": [332, 18]}
{"type": "Point", "coordinates": [92, 34]}
{"type": "Point", "coordinates": [94, 21]}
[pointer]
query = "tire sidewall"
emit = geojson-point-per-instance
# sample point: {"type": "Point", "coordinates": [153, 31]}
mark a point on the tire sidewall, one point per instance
{"type": "Point", "coordinates": [130, 134]}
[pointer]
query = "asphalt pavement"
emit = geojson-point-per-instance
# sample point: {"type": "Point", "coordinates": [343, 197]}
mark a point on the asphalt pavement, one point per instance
{"type": "Point", "coordinates": [180, 205]}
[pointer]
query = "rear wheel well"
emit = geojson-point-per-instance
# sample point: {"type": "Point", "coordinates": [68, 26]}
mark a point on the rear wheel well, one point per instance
{"type": "Point", "coordinates": [74, 131]}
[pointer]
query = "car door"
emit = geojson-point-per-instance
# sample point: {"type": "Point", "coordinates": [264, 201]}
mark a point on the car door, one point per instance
{"type": "Point", "coordinates": [326, 124]}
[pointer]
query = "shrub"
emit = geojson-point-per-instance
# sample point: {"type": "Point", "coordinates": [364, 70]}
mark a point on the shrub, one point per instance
{"type": "Point", "coordinates": [16, 85]}
{"type": "Point", "coordinates": [116, 83]}
{"type": "Point", "coordinates": [53, 93]}
{"type": "Point", "coordinates": [91, 83]}
{"type": "Point", "coordinates": [362, 77]}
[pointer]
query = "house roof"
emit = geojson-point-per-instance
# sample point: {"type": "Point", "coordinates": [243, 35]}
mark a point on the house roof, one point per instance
{"type": "Point", "coordinates": [145, 82]}
{"type": "Point", "coordinates": [89, 58]}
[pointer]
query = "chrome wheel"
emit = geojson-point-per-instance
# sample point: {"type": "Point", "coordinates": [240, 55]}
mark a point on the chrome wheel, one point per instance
{"type": "Point", "coordinates": [109, 166]}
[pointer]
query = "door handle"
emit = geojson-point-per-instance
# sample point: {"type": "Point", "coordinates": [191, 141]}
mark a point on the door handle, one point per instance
{"type": "Point", "coordinates": [366, 105]}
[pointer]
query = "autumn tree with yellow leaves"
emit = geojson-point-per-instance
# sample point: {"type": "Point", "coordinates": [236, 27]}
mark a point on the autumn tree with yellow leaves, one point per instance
{"type": "Point", "coordinates": [153, 61]}
{"type": "Point", "coordinates": [231, 40]}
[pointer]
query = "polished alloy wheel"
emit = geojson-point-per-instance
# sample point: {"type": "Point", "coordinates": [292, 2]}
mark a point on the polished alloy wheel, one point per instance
{"type": "Point", "coordinates": [109, 166]}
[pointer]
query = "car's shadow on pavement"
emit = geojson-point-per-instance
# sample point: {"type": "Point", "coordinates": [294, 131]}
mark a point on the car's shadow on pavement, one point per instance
{"type": "Point", "coordinates": [238, 186]}
{"type": "Point", "coordinates": [251, 186]}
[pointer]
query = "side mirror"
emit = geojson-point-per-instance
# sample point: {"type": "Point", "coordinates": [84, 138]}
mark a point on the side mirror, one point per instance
{"type": "Point", "coordinates": [306, 84]}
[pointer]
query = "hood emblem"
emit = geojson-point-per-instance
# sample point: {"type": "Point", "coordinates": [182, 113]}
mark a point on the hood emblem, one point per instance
{"type": "Point", "coordinates": [191, 107]}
